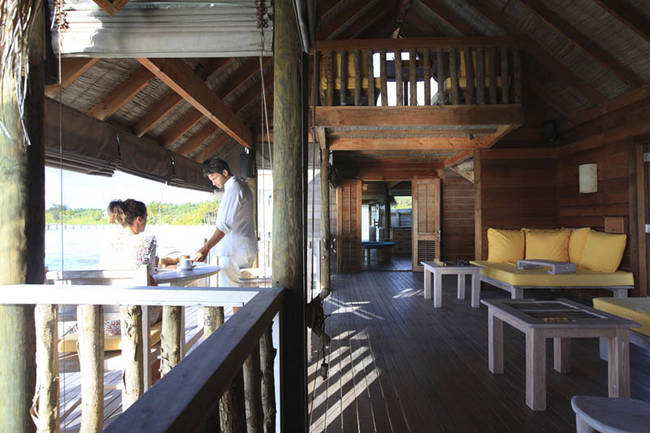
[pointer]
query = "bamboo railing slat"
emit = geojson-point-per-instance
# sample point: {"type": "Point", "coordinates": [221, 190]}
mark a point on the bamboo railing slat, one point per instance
{"type": "Point", "coordinates": [453, 72]}
{"type": "Point", "coordinates": [267, 358]}
{"type": "Point", "coordinates": [480, 76]}
{"type": "Point", "coordinates": [253, 392]}
{"type": "Point", "coordinates": [382, 78]}
{"type": "Point", "coordinates": [344, 77]}
{"type": "Point", "coordinates": [399, 78]}
{"type": "Point", "coordinates": [170, 339]}
{"type": "Point", "coordinates": [426, 59]}
{"type": "Point", "coordinates": [442, 76]}
{"type": "Point", "coordinates": [132, 347]}
{"type": "Point", "coordinates": [90, 323]}
{"type": "Point", "coordinates": [492, 71]}
{"type": "Point", "coordinates": [413, 81]}
{"type": "Point", "coordinates": [357, 77]}
{"type": "Point", "coordinates": [371, 80]}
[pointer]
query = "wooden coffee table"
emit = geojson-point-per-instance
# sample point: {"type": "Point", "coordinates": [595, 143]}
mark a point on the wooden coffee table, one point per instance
{"type": "Point", "coordinates": [561, 320]}
{"type": "Point", "coordinates": [438, 270]}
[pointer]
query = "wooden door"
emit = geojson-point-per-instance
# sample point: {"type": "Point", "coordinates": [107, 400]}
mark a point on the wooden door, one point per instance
{"type": "Point", "coordinates": [425, 221]}
{"type": "Point", "coordinates": [348, 199]}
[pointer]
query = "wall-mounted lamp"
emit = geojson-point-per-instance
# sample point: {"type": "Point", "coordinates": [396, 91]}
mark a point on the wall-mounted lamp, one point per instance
{"type": "Point", "coordinates": [587, 178]}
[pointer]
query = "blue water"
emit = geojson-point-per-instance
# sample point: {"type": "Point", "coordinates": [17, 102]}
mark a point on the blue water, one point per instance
{"type": "Point", "coordinates": [80, 247]}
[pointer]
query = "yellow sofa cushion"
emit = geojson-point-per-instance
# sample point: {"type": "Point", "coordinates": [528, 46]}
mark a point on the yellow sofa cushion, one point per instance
{"type": "Point", "coordinates": [505, 245]}
{"type": "Point", "coordinates": [508, 273]}
{"type": "Point", "coordinates": [603, 251]}
{"type": "Point", "coordinates": [547, 245]}
{"type": "Point", "coordinates": [577, 242]}
{"type": "Point", "coordinates": [111, 342]}
{"type": "Point", "coordinates": [637, 309]}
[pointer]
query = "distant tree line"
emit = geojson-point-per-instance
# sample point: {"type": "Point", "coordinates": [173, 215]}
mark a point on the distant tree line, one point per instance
{"type": "Point", "coordinates": [158, 213]}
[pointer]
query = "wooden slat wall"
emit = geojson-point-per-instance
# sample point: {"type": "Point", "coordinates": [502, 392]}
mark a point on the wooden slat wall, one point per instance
{"type": "Point", "coordinates": [348, 198]}
{"type": "Point", "coordinates": [514, 193]}
{"type": "Point", "coordinates": [426, 221]}
{"type": "Point", "coordinates": [457, 217]}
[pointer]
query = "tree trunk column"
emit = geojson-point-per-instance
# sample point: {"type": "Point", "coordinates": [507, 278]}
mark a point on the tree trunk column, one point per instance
{"type": "Point", "coordinates": [288, 223]}
{"type": "Point", "coordinates": [22, 219]}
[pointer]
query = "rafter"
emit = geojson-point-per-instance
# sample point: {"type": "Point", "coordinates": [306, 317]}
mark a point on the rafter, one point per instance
{"type": "Point", "coordinates": [249, 69]}
{"type": "Point", "coordinates": [341, 21]}
{"type": "Point", "coordinates": [173, 99]}
{"type": "Point", "coordinates": [628, 15]}
{"type": "Point", "coordinates": [596, 53]}
{"type": "Point", "coordinates": [71, 69]}
{"type": "Point", "coordinates": [365, 21]}
{"type": "Point", "coordinates": [176, 74]}
{"type": "Point", "coordinates": [542, 92]}
{"type": "Point", "coordinates": [382, 27]}
{"type": "Point", "coordinates": [449, 17]}
{"type": "Point", "coordinates": [497, 17]}
{"type": "Point", "coordinates": [121, 94]}
{"type": "Point", "coordinates": [405, 143]}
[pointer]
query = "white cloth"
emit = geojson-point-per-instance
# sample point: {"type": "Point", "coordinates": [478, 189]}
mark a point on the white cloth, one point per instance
{"type": "Point", "coordinates": [236, 219]}
{"type": "Point", "coordinates": [230, 273]}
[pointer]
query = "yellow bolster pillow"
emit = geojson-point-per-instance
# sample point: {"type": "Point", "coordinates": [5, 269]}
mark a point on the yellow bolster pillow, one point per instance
{"type": "Point", "coordinates": [603, 251]}
{"type": "Point", "coordinates": [505, 245]}
{"type": "Point", "coordinates": [547, 245]}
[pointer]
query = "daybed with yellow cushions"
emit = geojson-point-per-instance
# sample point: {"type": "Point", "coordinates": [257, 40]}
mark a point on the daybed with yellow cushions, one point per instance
{"type": "Point", "coordinates": [597, 256]}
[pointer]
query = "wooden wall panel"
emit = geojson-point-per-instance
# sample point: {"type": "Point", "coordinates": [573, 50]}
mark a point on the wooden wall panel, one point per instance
{"type": "Point", "coordinates": [348, 198]}
{"type": "Point", "coordinates": [457, 217]}
{"type": "Point", "coordinates": [514, 193]}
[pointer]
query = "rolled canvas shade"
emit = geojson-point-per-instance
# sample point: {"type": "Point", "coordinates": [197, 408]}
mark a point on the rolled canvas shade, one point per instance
{"type": "Point", "coordinates": [226, 28]}
{"type": "Point", "coordinates": [79, 142]}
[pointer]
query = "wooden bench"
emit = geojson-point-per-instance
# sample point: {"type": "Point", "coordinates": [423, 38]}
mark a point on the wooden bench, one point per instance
{"type": "Point", "coordinates": [378, 246]}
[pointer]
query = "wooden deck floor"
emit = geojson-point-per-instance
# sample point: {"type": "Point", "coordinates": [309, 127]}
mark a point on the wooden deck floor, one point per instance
{"type": "Point", "coordinates": [398, 365]}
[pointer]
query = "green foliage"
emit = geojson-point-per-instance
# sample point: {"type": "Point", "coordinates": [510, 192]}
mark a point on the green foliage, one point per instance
{"type": "Point", "coordinates": [402, 202]}
{"type": "Point", "coordinates": [158, 213]}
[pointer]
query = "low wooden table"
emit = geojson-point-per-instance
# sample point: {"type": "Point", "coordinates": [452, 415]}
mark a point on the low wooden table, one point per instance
{"type": "Point", "coordinates": [438, 270]}
{"type": "Point", "coordinates": [561, 320]}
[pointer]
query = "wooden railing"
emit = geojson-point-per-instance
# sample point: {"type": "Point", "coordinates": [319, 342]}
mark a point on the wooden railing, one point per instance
{"type": "Point", "coordinates": [239, 354]}
{"type": "Point", "coordinates": [466, 71]}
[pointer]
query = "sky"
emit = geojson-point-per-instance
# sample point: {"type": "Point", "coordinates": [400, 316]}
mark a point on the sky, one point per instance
{"type": "Point", "coordinates": [87, 191]}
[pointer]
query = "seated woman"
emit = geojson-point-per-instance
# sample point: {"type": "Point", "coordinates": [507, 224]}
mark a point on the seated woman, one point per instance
{"type": "Point", "coordinates": [130, 248]}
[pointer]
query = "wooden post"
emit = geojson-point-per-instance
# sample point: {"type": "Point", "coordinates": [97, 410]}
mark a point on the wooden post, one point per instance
{"type": "Point", "coordinates": [492, 73]}
{"type": "Point", "coordinates": [469, 76]}
{"type": "Point", "coordinates": [252, 184]}
{"type": "Point", "coordinates": [516, 60]}
{"type": "Point", "coordinates": [46, 403]}
{"type": "Point", "coordinates": [371, 80]}
{"type": "Point", "coordinates": [267, 357]}
{"type": "Point", "coordinates": [170, 339]}
{"type": "Point", "coordinates": [442, 76]}
{"type": "Point", "coordinates": [343, 78]}
{"type": "Point", "coordinates": [357, 77]}
{"type": "Point", "coordinates": [331, 83]}
{"type": "Point", "coordinates": [453, 72]}
{"type": "Point", "coordinates": [90, 321]}
{"type": "Point", "coordinates": [480, 76]}
{"type": "Point", "coordinates": [22, 217]}
{"type": "Point", "coordinates": [387, 214]}
{"type": "Point", "coordinates": [383, 81]}
{"type": "Point", "coordinates": [325, 265]}
{"type": "Point", "coordinates": [212, 318]}
{"type": "Point", "coordinates": [505, 76]}
{"type": "Point", "coordinates": [288, 196]}
{"type": "Point", "coordinates": [399, 78]}
{"type": "Point", "coordinates": [413, 83]}
{"type": "Point", "coordinates": [426, 54]}
{"type": "Point", "coordinates": [253, 392]}
{"type": "Point", "coordinates": [132, 347]}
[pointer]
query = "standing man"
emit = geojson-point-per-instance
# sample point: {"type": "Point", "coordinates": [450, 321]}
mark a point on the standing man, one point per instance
{"type": "Point", "coordinates": [234, 235]}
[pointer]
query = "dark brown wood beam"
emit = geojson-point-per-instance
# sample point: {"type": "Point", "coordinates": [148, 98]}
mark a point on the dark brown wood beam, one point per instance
{"type": "Point", "coordinates": [173, 99]}
{"type": "Point", "coordinates": [340, 22]}
{"type": "Point", "coordinates": [497, 18]}
{"type": "Point", "coordinates": [121, 94]}
{"type": "Point", "coordinates": [404, 143]}
{"type": "Point", "coordinates": [450, 17]}
{"type": "Point", "coordinates": [413, 43]}
{"type": "Point", "coordinates": [599, 55]}
{"type": "Point", "coordinates": [71, 69]}
{"type": "Point", "coordinates": [365, 21]}
{"type": "Point", "coordinates": [460, 156]}
{"type": "Point", "coordinates": [176, 74]}
{"type": "Point", "coordinates": [635, 19]}
{"type": "Point", "coordinates": [418, 116]}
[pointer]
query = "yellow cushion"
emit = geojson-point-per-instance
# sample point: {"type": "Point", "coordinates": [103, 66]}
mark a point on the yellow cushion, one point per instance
{"type": "Point", "coordinates": [577, 242]}
{"type": "Point", "coordinates": [547, 245]}
{"type": "Point", "coordinates": [111, 342]}
{"type": "Point", "coordinates": [508, 273]}
{"type": "Point", "coordinates": [637, 309]}
{"type": "Point", "coordinates": [505, 245]}
{"type": "Point", "coordinates": [603, 251]}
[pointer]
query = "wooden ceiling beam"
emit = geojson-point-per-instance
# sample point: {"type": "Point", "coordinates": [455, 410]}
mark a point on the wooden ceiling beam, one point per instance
{"type": "Point", "coordinates": [628, 15]}
{"type": "Point", "coordinates": [450, 17]}
{"type": "Point", "coordinates": [123, 93]}
{"type": "Point", "coordinates": [173, 99]}
{"type": "Point", "coordinates": [71, 69]}
{"type": "Point", "coordinates": [497, 18]}
{"type": "Point", "coordinates": [459, 157]}
{"type": "Point", "coordinates": [249, 69]}
{"type": "Point", "coordinates": [418, 116]}
{"type": "Point", "coordinates": [599, 55]}
{"type": "Point", "coordinates": [344, 19]}
{"type": "Point", "coordinates": [405, 143]}
{"type": "Point", "coordinates": [382, 27]}
{"type": "Point", "coordinates": [365, 21]}
{"type": "Point", "coordinates": [197, 139]}
{"type": "Point", "coordinates": [444, 42]}
{"type": "Point", "coordinates": [176, 74]}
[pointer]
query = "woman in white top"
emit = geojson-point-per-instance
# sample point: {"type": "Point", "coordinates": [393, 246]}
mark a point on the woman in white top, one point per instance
{"type": "Point", "coordinates": [130, 248]}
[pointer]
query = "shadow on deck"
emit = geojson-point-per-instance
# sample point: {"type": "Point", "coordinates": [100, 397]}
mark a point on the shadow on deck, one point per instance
{"type": "Point", "coordinates": [396, 364]}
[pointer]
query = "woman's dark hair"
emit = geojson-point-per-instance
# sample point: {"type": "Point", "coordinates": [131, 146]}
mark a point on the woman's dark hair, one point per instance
{"type": "Point", "coordinates": [125, 212]}
{"type": "Point", "coordinates": [215, 165]}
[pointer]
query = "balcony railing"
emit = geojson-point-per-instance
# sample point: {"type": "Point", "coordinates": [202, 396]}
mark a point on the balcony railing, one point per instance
{"type": "Point", "coordinates": [417, 71]}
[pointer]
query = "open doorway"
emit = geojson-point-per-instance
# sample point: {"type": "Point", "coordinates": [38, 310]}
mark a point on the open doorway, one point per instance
{"type": "Point", "coordinates": [386, 226]}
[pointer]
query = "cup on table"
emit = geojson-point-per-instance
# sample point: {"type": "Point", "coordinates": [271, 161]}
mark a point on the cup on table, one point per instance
{"type": "Point", "coordinates": [185, 263]}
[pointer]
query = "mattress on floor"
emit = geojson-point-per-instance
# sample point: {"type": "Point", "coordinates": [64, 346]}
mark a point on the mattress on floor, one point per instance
{"type": "Point", "coordinates": [508, 273]}
{"type": "Point", "coordinates": [637, 309]}
{"type": "Point", "coordinates": [111, 342]}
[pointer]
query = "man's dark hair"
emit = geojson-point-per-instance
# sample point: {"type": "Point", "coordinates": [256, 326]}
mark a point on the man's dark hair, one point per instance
{"type": "Point", "coordinates": [215, 165]}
